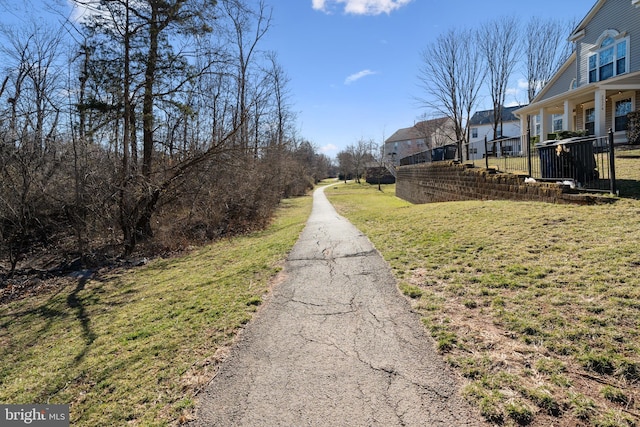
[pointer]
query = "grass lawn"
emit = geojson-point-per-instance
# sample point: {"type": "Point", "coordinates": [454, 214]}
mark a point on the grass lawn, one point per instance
{"type": "Point", "coordinates": [133, 348]}
{"type": "Point", "coordinates": [537, 306]}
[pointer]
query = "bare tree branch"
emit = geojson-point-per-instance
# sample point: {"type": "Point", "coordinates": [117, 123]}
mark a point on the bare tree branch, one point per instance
{"type": "Point", "coordinates": [499, 42]}
{"type": "Point", "coordinates": [451, 77]}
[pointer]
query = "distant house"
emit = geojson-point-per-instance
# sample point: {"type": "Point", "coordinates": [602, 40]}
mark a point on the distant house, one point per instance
{"type": "Point", "coordinates": [481, 127]}
{"type": "Point", "coordinates": [420, 137]}
{"type": "Point", "coordinates": [599, 84]}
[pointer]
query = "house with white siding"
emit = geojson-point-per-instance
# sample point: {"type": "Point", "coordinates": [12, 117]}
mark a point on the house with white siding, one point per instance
{"type": "Point", "coordinates": [481, 127]}
{"type": "Point", "coordinates": [599, 84]}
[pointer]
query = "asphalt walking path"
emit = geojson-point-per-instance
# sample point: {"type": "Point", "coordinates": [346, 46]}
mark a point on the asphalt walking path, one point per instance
{"type": "Point", "coordinates": [334, 345]}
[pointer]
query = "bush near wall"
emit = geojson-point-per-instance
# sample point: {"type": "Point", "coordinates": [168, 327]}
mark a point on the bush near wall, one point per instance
{"type": "Point", "coordinates": [375, 175]}
{"type": "Point", "coordinates": [633, 127]}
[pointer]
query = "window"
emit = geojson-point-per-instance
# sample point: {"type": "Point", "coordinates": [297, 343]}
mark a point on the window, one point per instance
{"type": "Point", "coordinates": [590, 120]}
{"type": "Point", "coordinates": [474, 132]}
{"type": "Point", "coordinates": [623, 107]}
{"type": "Point", "coordinates": [610, 59]}
{"type": "Point", "coordinates": [556, 120]}
{"type": "Point", "coordinates": [593, 71]}
{"type": "Point", "coordinates": [621, 57]}
{"type": "Point", "coordinates": [606, 62]}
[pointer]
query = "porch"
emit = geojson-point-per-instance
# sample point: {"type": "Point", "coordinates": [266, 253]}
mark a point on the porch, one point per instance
{"type": "Point", "coordinates": [586, 164]}
{"type": "Point", "coordinates": [592, 109]}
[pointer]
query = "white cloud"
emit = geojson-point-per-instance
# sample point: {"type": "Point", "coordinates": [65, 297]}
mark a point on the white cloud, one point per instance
{"type": "Point", "coordinates": [357, 76]}
{"type": "Point", "coordinates": [329, 148]}
{"type": "Point", "coordinates": [516, 94]}
{"type": "Point", "coordinates": [318, 4]}
{"type": "Point", "coordinates": [361, 7]}
{"type": "Point", "coordinates": [523, 84]}
{"type": "Point", "coordinates": [512, 91]}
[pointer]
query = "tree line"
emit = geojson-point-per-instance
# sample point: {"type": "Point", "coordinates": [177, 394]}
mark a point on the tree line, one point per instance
{"type": "Point", "coordinates": [460, 63]}
{"type": "Point", "coordinates": [144, 121]}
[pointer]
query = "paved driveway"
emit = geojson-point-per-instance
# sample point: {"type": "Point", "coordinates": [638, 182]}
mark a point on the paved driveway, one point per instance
{"type": "Point", "coordinates": [335, 345]}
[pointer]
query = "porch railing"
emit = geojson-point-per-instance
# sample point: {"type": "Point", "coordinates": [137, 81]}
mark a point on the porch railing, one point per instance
{"type": "Point", "coordinates": [391, 168]}
{"type": "Point", "coordinates": [585, 163]}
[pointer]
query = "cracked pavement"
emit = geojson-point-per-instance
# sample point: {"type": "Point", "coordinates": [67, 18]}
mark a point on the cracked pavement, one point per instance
{"type": "Point", "coordinates": [334, 345]}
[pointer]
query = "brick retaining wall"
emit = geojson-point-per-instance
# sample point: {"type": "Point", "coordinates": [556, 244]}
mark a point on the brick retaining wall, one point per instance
{"type": "Point", "coordinates": [448, 181]}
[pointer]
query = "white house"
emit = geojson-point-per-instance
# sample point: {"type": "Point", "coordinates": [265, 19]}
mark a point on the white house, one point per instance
{"type": "Point", "coordinates": [481, 127]}
{"type": "Point", "coordinates": [599, 84]}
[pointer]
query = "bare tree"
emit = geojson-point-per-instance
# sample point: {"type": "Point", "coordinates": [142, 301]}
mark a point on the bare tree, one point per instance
{"type": "Point", "coordinates": [283, 116]}
{"type": "Point", "coordinates": [207, 111]}
{"type": "Point", "coordinates": [247, 28]}
{"type": "Point", "coordinates": [499, 43]}
{"type": "Point", "coordinates": [436, 131]}
{"type": "Point", "coordinates": [451, 78]}
{"type": "Point", "coordinates": [157, 73]}
{"type": "Point", "coordinates": [360, 156]}
{"type": "Point", "coordinates": [377, 170]}
{"type": "Point", "coordinates": [546, 49]}
{"type": "Point", "coordinates": [345, 164]}
{"type": "Point", "coordinates": [31, 186]}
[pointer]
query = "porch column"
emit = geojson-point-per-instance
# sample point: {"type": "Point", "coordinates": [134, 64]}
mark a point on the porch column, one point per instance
{"type": "Point", "coordinates": [567, 118]}
{"type": "Point", "coordinates": [525, 119]}
{"type": "Point", "coordinates": [600, 125]}
{"type": "Point", "coordinates": [545, 124]}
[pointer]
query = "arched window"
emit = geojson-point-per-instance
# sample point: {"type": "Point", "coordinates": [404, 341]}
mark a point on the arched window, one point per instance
{"type": "Point", "coordinates": [610, 57]}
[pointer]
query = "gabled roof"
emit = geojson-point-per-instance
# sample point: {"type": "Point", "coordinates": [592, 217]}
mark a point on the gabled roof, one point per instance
{"type": "Point", "coordinates": [404, 134]}
{"type": "Point", "coordinates": [563, 69]}
{"type": "Point", "coordinates": [549, 94]}
{"type": "Point", "coordinates": [579, 30]}
{"type": "Point", "coordinates": [418, 131]}
{"type": "Point", "coordinates": [428, 126]}
{"type": "Point", "coordinates": [486, 116]}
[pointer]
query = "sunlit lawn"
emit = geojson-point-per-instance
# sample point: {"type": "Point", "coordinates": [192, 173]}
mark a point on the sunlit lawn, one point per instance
{"type": "Point", "coordinates": [133, 348]}
{"type": "Point", "coordinates": [536, 305]}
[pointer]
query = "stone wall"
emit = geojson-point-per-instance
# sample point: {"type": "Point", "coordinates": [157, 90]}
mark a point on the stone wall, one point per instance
{"type": "Point", "coordinates": [448, 181]}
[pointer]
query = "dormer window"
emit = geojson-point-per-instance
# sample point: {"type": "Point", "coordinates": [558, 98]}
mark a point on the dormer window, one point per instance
{"type": "Point", "coordinates": [611, 57]}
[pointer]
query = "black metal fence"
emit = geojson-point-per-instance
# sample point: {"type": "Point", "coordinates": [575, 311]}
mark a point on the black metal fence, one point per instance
{"type": "Point", "coordinates": [583, 162]}
{"type": "Point", "coordinates": [446, 152]}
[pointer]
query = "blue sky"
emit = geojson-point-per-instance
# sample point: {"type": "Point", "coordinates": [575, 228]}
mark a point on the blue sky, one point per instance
{"type": "Point", "coordinates": [353, 64]}
{"type": "Point", "coordinates": [354, 68]}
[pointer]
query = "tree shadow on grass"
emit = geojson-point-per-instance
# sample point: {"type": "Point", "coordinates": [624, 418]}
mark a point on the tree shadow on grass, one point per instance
{"type": "Point", "coordinates": [75, 302]}
{"type": "Point", "coordinates": [628, 188]}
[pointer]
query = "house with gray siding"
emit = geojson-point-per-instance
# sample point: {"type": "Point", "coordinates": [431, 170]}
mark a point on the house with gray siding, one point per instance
{"type": "Point", "coordinates": [422, 136]}
{"type": "Point", "coordinates": [599, 84]}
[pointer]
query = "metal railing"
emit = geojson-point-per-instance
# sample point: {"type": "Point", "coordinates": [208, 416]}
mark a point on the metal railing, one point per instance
{"type": "Point", "coordinates": [445, 152]}
{"type": "Point", "coordinates": [585, 163]}
{"type": "Point", "coordinates": [391, 168]}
